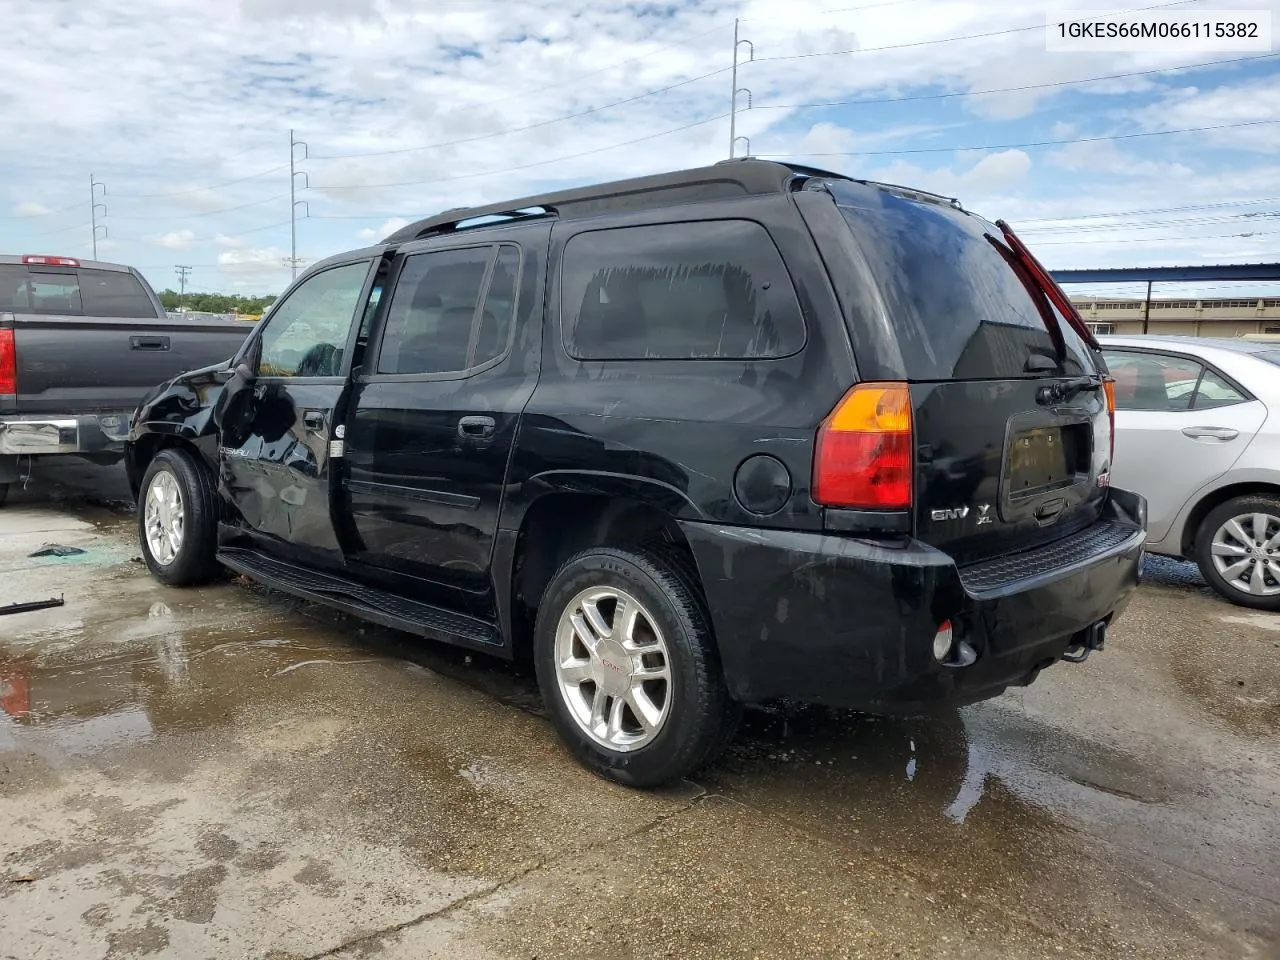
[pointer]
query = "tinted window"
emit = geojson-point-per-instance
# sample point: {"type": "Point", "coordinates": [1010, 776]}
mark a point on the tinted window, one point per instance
{"type": "Point", "coordinates": [432, 312]}
{"type": "Point", "coordinates": [1213, 391]}
{"type": "Point", "coordinates": [499, 307]}
{"type": "Point", "coordinates": [306, 335]}
{"type": "Point", "coordinates": [1148, 381]}
{"type": "Point", "coordinates": [957, 308]}
{"type": "Point", "coordinates": [679, 291]}
{"type": "Point", "coordinates": [76, 293]}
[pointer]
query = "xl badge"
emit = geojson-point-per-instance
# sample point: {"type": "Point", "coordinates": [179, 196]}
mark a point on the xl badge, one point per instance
{"type": "Point", "coordinates": [984, 514]}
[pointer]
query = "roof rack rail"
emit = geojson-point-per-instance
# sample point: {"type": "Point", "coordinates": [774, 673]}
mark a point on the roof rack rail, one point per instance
{"type": "Point", "coordinates": [914, 192]}
{"type": "Point", "coordinates": [721, 181]}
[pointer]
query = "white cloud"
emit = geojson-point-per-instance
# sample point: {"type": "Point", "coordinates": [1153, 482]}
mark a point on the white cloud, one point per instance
{"type": "Point", "coordinates": [174, 240]}
{"type": "Point", "coordinates": [29, 208]}
{"type": "Point", "coordinates": [1104, 157]}
{"type": "Point", "coordinates": [192, 140]}
{"type": "Point", "coordinates": [388, 227]}
{"type": "Point", "coordinates": [255, 267]}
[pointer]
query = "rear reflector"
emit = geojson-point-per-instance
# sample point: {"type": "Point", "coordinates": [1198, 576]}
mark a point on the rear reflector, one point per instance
{"type": "Point", "coordinates": [942, 641]}
{"type": "Point", "coordinates": [42, 261]}
{"type": "Point", "coordinates": [8, 363]}
{"type": "Point", "coordinates": [864, 450]}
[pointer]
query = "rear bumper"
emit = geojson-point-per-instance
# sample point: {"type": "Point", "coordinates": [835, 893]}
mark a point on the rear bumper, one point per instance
{"type": "Point", "coordinates": [846, 622]}
{"type": "Point", "coordinates": [41, 436]}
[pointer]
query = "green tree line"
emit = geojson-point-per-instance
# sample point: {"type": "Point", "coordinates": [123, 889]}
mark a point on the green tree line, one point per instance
{"type": "Point", "coordinates": [216, 302]}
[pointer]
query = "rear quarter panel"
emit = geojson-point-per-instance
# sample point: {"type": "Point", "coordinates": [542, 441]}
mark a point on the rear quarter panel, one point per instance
{"type": "Point", "coordinates": [672, 433]}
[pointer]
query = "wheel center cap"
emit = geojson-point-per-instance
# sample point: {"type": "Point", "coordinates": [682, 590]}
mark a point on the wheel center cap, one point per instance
{"type": "Point", "coordinates": [612, 668]}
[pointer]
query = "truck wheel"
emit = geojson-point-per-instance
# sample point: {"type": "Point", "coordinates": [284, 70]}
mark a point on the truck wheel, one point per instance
{"type": "Point", "coordinates": [178, 519]}
{"type": "Point", "coordinates": [628, 668]}
{"type": "Point", "coordinates": [1238, 550]}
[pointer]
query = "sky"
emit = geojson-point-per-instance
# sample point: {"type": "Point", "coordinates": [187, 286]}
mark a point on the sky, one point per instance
{"type": "Point", "coordinates": [182, 110]}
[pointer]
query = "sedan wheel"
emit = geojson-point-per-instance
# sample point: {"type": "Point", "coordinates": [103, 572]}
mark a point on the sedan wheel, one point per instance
{"type": "Point", "coordinates": [1246, 553]}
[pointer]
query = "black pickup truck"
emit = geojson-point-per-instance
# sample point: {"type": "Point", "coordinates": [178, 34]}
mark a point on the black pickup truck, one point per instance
{"type": "Point", "coordinates": [714, 437]}
{"type": "Point", "coordinates": [81, 342]}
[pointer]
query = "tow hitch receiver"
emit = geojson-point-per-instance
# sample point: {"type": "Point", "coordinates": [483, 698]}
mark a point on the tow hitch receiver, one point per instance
{"type": "Point", "coordinates": [1089, 639]}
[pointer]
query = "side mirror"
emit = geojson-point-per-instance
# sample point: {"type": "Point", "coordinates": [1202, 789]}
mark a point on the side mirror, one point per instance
{"type": "Point", "coordinates": [246, 373]}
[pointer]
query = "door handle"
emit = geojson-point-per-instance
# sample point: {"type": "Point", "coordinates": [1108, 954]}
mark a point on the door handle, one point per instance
{"type": "Point", "coordinates": [148, 343]}
{"type": "Point", "coordinates": [313, 420]}
{"type": "Point", "coordinates": [476, 428]}
{"type": "Point", "coordinates": [1219, 434]}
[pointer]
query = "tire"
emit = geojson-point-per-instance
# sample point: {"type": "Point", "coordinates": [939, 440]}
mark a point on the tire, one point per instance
{"type": "Point", "coordinates": [1260, 590]}
{"type": "Point", "coordinates": [4, 493]}
{"type": "Point", "coordinates": [194, 561]}
{"type": "Point", "coordinates": [697, 715]}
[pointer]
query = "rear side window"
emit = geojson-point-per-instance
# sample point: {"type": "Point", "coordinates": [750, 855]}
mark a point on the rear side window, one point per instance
{"type": "Point", "coordinates": [75, 293]}
{"type": "Point", "coordinates": [1167, 384]}
{"type": "Point", "coordinates": [679, 291]}
{"type": "Point", "coordinates": [956, 307]}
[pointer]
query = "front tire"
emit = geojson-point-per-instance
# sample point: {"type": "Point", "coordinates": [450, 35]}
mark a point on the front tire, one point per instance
{"type": "Point", "coordinates": [628, 668]}
{"type": "Point", "coordinates": [178, 520]}
{"type": "Point", "coordinates": [1238, 551]}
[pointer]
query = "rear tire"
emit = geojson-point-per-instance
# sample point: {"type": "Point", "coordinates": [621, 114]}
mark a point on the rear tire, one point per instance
{"type": "Point", "coordinates": [594, 663]}
{"type": "Point", "coordinates": [1238, 551]}
{"type": "Point", "coordinates": [178, 520]}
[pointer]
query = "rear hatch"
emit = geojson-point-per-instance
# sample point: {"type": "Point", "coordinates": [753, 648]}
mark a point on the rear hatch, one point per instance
{"type": "Point", "coordinates": [1009, 415]}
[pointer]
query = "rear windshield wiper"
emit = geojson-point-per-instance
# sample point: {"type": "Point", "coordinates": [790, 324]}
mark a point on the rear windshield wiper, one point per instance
{"type": "Point", "coordinates": [1061, 391]}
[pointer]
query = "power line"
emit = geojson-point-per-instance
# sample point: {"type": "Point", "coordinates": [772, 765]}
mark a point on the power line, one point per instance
{"type": "Point", "coordinates": [207, 213]}
{"type": "Point", "coordinates": [46, 213]}
{"type": "Point", "coordinates": [1136, 213]}
{"type": "Point", "coordinates": [211, 186]}
{"type": "Point", "coordinates": [593, 73]}
{"type": "Point", "coordinates": [527, 166]}
{"type": "Point", "coordinates": [530, 126]}
{"type": "Point", "coordinates": [1216, 236]}
{"type": "Point", "coordinates": [819, 13]}
{"type": "Point", "coordinates": [1028, 86]}
{"type": "Point", "coordinates": [1034, 143]}
{"type": "Point", "coordinates": [970, 36]}
{"type": "Point", "coordinates": [1152, 224]}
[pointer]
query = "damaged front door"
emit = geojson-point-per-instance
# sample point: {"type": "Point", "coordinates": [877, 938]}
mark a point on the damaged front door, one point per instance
{"type": "Point", "coordinates": [277, 445]}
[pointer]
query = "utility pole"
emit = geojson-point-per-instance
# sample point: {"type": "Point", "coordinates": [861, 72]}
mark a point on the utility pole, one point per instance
{"type": "Point", "coordinates": [733, 99]}
{"type": "Point", "coordinates": [294, 203]}
{"type": "Point", "coordinates": [94, 207]}
{"type": "Point", "coordinates": [181, 270]}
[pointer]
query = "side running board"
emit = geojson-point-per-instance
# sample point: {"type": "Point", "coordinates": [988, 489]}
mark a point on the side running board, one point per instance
{"type": "Point", "coordinates": [367, 603]}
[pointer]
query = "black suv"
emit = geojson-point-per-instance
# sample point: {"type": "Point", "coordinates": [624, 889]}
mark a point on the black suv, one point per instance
{"type": "Point", "coordinates": [714, 437]}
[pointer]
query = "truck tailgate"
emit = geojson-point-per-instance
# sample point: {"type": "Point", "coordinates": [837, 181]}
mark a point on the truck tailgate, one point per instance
{"type": "Point", "coordinates": [90, 364]}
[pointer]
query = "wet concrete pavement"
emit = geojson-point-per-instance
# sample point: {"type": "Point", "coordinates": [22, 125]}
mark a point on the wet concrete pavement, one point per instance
{"type": "Point", "coordinates": [226, 773]}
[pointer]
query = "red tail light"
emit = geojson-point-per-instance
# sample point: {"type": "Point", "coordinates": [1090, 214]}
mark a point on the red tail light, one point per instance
{"type": "Point", "coordinates": [8, 363]}
{"type": "Point", "coordinates": [864, 451]}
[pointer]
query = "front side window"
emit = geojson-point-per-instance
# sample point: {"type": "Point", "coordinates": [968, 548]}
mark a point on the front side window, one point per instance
{"type": "Point", "coordinates": [306, 336]}
{"type": "Point", "coordinates": [681, 291]}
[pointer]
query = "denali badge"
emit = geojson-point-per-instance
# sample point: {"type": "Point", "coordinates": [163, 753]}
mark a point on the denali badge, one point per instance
{"type": "Point", "coordinates": [951, 513]}
{"type": "Point", "coordinates": [984, 514]}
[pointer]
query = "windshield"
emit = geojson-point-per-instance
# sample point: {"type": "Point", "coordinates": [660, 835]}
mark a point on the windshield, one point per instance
{"type": "Point", "coordinates": [959, 310]}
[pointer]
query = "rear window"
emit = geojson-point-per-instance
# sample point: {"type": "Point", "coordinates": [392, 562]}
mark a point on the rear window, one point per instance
{"type": "Point", "coordinates": [679, 291]}
{"type": "Point", "coordinates": [1271, 356]}
{"type": "Point", "coordinates": [74, 293]}
{"type": "Point", "coordinates": [958, 310]}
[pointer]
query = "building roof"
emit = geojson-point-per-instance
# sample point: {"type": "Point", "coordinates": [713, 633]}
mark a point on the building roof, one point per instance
{"type": "Point", "coordinates": [1221, 271]}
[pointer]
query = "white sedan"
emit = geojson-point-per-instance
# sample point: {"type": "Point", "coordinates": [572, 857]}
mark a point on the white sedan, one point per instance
{"type": "Point", "coordinates": [1198, 435]}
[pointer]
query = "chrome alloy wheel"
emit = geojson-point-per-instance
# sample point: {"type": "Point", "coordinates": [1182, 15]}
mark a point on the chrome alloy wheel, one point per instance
{"type": "Point", "coordinates": [1246, 553]}
{"type": "Point", "coordinates": [164, 517]}
{"type": "Point", "coordinates": [613, 668]}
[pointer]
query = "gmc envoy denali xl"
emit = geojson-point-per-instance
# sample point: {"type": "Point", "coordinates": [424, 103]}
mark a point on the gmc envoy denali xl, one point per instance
{"type": "Point", "coordinates": [689, 441]}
